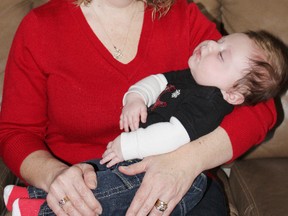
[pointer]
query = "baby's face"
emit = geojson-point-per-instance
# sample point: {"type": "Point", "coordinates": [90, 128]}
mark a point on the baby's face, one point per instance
{"type": "Point", "coordinates": [221, 63]}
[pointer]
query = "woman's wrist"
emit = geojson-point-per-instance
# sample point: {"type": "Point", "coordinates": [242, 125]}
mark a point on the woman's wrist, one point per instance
{"type": "Point", "coordinates": [40, 169]}
{"type": "Point", "coordinates": [133, 96]}
{"type": "Point", "coordinates": [54, 168]}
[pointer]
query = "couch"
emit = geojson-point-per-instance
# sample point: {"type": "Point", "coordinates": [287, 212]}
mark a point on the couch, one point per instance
{"type": "Point", "coordinates": [255, 184]}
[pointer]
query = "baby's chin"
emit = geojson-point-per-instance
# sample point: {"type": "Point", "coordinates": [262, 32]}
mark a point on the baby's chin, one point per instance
{"type": "Point", "coordinates": [191, 61]}
{"type": "Point", "coordinates": [198, 79]}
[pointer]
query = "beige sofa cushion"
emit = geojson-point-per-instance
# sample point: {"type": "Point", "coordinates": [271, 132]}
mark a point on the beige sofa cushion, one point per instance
{"type": "Point", "coordinates": [244, 15]}
{"type": "Point", "coordinates": [260, 186]}
{"type": "Point", "coordinates": [239, 16]}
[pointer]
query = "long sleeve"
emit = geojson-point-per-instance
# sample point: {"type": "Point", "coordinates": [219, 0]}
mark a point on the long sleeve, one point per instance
{"type": "Point", "coordinates": [149, 88]}
{"type": "Point", "coordinates": [156, 139]}
{"type": "Point", "coordinates": [24, 109]}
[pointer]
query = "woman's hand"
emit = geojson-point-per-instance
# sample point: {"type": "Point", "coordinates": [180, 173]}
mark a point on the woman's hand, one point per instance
{"type": "Point", "coordinates": [74, 183]}
{"type": "Point", "coordinates": [169, 176]}
{"type": "Point", "coordinates": [60, 181]}
{"type": "Point", "coordinates": [165, 179]}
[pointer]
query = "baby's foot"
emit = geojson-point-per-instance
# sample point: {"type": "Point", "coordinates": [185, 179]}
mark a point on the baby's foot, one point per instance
{"type": "Point", "coordinates": [25, 207]}
{"type": "Point", "coordinates": [13, 192]}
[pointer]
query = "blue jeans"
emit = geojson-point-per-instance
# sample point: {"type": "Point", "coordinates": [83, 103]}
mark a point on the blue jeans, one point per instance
{"type": "Point", "coordinates": [213, 202]}
{"type": "Point", "coordinates": [115, 191]}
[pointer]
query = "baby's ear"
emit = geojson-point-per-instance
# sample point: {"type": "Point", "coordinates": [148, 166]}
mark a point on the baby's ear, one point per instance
{"type": "Point", "coordinates": [234, 97]}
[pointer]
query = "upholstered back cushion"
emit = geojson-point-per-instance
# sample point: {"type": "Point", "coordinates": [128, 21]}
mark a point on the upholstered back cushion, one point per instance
{"type": "Point", "coordinates": [239, 16]}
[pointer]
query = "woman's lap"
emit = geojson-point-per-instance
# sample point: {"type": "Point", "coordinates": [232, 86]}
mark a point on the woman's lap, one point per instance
{"type": "Point", "coordinates": [115, 192]}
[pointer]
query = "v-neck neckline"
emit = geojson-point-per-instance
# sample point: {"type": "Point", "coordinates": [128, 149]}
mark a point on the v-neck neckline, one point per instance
{"type": "Point", "coordinates": [143, 43]}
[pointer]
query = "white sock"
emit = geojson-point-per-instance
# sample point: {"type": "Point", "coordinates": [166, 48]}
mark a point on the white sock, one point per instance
{"type": "Point", "coordinates": [16, 209]}
{"type": "Point", "coordinates": [7, 192]}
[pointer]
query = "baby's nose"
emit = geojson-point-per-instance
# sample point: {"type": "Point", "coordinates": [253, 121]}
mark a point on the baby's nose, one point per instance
{"type": "Point", "coordinates": [212, 44]}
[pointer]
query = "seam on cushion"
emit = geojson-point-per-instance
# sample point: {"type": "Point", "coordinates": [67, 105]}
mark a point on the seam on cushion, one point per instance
{"type": "Point", "coordinates": [249, 209]}
{"type": "Point", "coordinates": [247, 193]}
{"type": "Point", "coordinates": [5, 173]}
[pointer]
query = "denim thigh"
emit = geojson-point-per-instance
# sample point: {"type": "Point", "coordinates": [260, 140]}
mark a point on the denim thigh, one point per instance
{"type": "Point", "coordinates": [36, 193]}
{"type": "Point", "coordinates": [116, 190]}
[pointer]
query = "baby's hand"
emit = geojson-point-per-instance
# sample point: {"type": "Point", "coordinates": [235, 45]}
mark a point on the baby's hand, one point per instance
{"type": "Point", "coordinates": [134, 110]}
{"type": "Point", "coordinates": [113, 153]}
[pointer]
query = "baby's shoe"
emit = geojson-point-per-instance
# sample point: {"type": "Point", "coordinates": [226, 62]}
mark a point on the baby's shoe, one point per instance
{"type": "Point", "coordinates": [13, 192]}
{"type": "Point", "coordinates": [26, 207]}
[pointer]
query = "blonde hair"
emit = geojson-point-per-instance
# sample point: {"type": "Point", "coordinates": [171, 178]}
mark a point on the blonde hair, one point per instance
{"type": "Point", "coordinates": [267, 74]}
{"type": "Point", "coordinates": [159, 7]}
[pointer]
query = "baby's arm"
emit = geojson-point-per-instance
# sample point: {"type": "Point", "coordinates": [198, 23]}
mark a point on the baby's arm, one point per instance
{"type": "Point", "coordinates": [133, 110]}
{"type": "Point", "coordinates": [140, 95]}
{"type": "Point", "coordinates": [149, 141]}
{"type": "Point", "coordinates": [113, 153]}
{"type": "Point", "coordinates": [145, 142]}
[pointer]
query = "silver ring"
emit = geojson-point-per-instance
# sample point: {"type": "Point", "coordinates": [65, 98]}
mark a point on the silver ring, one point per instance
{"type": "Point", "coordinates": [161, 205]}
{"type": "Point", "coordinates": [63, 201]}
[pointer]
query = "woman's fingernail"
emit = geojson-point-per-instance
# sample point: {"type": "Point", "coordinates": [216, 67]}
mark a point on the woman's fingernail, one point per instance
{"type": "Point", "coordinates": [99, 211]}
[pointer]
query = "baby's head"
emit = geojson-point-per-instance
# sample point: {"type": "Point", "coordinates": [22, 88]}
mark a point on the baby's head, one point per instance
{"type": "Point", "coordinates": [247, 67]}
{"type": "Point", "coordinates": [267, 73]}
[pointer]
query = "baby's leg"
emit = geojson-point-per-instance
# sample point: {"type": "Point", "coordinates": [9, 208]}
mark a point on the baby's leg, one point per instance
{"type": "Point", "coordinates": [24, 207]}
{"type": "Point", "coordinates": [115, 191]}
{"type": "Point", "coordinates": [13, 192]}
{"type": "Point", "coordinates": [36, 193]}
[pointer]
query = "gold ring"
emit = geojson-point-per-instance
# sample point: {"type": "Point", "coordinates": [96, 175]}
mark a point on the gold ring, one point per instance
{"type": "Point", "coordinates": [161, 205]}
{"type": "Point", "coordinates": [63, 201]}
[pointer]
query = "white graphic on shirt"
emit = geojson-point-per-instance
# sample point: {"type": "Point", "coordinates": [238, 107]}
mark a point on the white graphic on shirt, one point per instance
{"type": "Point", "coordinates": [176, 93]}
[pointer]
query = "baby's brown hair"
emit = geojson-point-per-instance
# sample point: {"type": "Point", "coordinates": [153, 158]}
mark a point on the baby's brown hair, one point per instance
{"type": "Point", "coordinates": [267, 74]}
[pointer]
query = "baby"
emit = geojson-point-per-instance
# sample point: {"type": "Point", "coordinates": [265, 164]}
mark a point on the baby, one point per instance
{"type": "Point", "coordinates": [241, 68]}
{"type": "Point", "coordinates": [246, 67]}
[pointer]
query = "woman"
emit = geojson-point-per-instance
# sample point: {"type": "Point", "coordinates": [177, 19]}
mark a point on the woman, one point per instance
{"type": "Point", "coordinates": [68, 69]}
